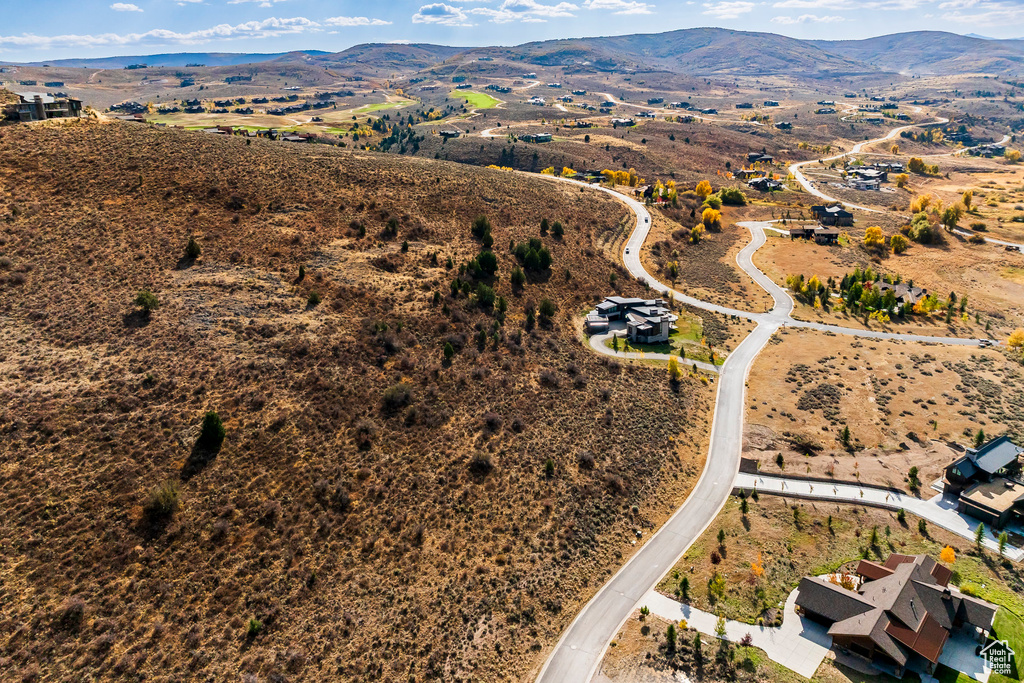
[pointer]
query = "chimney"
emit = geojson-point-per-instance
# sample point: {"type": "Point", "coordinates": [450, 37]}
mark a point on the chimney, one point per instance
{"type": "Point", "coordinates": [37, 101]}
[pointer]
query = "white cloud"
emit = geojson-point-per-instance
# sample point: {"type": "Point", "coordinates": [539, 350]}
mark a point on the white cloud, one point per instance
{"type": "Point", "coordinates": [268, 28]}
{"type": "Point", "coordinates": [728, 10]}
{"type": "Point", "coordinates": [262, 3]}
{"type": "Point", "coordinates": [984, 12]}
{"type": "Point", "coordinates": [895, 5]}
{"type": "Point", "coordinates": [806, 19]}
{"type": "Point", "coordinates": [355, 21]}
{"type": "Point", "coordinates": [619, 6]}
{"type": "Point", "coordinates": [125, 7]}
{"type": "Point", "coordinates": [440, 13]}
{"type": "Point", "coordinates": [529, 11]}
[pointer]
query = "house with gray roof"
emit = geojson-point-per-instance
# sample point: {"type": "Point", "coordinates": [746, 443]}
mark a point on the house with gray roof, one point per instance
{"type": "Point", "coordinates": [647, 320]}
{"type": "Point", "coordinates": [36, 106]}
{"type": "Point", "coordinates": [986, 482]}
{"type": "Point", "coordinates": [902, 612]}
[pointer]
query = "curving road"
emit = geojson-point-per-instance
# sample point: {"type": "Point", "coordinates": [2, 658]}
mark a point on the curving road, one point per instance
{"type": "Point", "coordinates": [582, 646]}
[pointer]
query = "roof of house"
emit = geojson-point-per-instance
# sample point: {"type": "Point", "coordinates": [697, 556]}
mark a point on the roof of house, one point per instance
{"type": "Point", "coordinates": [995, 455]}
{"type": "Point", "coordinates": [998, 495]}
{"type": "Point", "coordinates": [903, 606]}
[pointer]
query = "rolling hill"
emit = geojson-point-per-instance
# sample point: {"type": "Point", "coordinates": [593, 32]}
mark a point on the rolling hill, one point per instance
{"type": "Point", "coordinates": [931, 53]}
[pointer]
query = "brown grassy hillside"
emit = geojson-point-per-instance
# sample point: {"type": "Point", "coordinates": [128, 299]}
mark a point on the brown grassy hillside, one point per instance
{"type": "Point", "coordinates": [419, 537]}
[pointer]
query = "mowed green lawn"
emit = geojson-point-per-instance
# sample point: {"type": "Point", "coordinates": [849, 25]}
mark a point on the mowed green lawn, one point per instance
{"type": "Point", "coordinates": [377, 106]}
{"type": "Point", "coordinates": [477, 100]}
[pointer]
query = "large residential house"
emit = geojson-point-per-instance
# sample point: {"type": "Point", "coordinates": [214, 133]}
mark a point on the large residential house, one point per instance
{"type": "Point", "coordinates": [902, 613]}
{"type": "Point", "coordinates": [647, 320]}
{"type": "Point", "coordinates": [35, 106]}
{"type": "Point", "coordinates": [832, 215]}
{"type": "Point", "coordinates": [986, 482]}
{"type": "Point", "coordinates": [904, 293]}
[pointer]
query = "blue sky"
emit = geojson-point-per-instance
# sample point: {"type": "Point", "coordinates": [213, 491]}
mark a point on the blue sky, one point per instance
{"type": "Point", "coordinates": [48, 29]}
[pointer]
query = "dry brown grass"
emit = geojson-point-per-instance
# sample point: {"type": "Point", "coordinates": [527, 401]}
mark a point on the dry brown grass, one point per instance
{"type": "Point", "coordinates": [903, 402]}
{"type": "Point", "coordinates": [361, 538]}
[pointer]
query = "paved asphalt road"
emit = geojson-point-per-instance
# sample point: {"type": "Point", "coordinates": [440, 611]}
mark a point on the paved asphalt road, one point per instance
{"type": "Point", "coordinates": [581, 648]}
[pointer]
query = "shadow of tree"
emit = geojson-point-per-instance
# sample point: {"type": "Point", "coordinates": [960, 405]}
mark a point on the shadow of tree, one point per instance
{"type": "Point", "coordinates": [137, 319]}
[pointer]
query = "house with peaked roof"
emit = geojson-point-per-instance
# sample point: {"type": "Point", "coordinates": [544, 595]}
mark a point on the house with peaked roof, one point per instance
{"type": "Point", "coordinates": [902, 613]}
{"type": "Point", "coordinates": [985, 481]}
{"type": "Point", "coordinates": [647, 320]}
{"type": "Point", "coordinates": [832, 215]}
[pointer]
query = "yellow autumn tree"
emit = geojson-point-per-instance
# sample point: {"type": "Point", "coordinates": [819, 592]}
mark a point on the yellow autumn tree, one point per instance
{"type": "Point", "coordinates": [1012, 155]}
{"type": "Point", "coordinates": [967, 198]}
{"type": "Point", "coordinates": [901, 180]}
{"type": "Point", "coordinates": [697, 233]}
{"type": "Point", "coordinates": [711, 218]}
{"type": "Point", "coordinates": [895, 149]}
{"type": "Point", "coordinates": [873, 237]}
{"type": "Point", "coordinates": [703, 189]}
{"type": "Point", "coordinates": [550, 170]}
{"type": "Point", "coordinates": [757, 567]}
{"type": "Point", "coordinates": [674, 373]}
{"type": "Point", "coordinates": [1016, 340]}
{"type": "Point", "coordinates": [948, 555]}
{"type": "Point", "coordinates": [898, 243]}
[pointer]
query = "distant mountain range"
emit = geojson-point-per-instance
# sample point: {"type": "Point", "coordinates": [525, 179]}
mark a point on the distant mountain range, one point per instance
{"type": "Point", "coordinates": [698, 51]}
{"type": "Point", "coordinates": [177, 59]}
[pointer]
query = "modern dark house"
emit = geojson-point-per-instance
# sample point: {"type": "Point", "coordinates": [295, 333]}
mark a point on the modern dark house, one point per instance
{"type": "Point", "coordinates": [903, 612]}
{"type": "Point", "coordinates": [818, 234]}
{"type": "Point", "coordinates": [34, 106]}
{"type": "Point", "coordinates": [765, 185]}
{"type": "Point", "coordinates": [536, 137]}
{"type": "Point", "coordinates": [647, 320]}
{"type": "Point", "coordinates": [832, 215]}
{"type": "Point", "coordinates": [985, 481]}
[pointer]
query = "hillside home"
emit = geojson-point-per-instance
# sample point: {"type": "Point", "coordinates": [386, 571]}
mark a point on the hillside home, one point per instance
{"type": "Point", "coordinates": [709, 110]}
{"type": "Point", "coordinates": [536, 137]}
{"type": "Point", "coordinates": [819, 234]}
{"type": "Point", "coordinates": [623, 122]}
{"type": "Point", "coordinates": [784, 125]}
{"type": "Point", "coordinates": [745, 105]}
{"type": "Point", "coordinates": [647, 320]}
{"type": "Point", "coordinates": [986, 482]}
{"type": "Point", "coordinates": [904, 293]}
{"type": "Point", "coordinates": [655, 100]}
{"type": "Point", "coordinates": [34, 106]}
{"type": "Point", "coordinates": [863, 184]}
{"type": "Point", "coordinates": [771, 103]}
{"type": "Point", "coordinates": [903, 612]}
{"type": "Point", "coordinates": [646, 114]}
{"type": "Point", "coordinates": [765, 185]}
{"type": "Point", "coordinates": [747, 174]}
{"type": "Point", "coordinates": [825, 110]}
{"type": "Point", "coordinates": [755, 157]}
{"type": "Point", "coordinates": [832, 215]}
{"type": "Point", "coordinates": [450, 133]}
{"type": "Point", "coordinates": [579, 92]}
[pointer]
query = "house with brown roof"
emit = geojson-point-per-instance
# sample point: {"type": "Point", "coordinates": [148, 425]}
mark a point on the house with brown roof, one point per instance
{"type": "Point", "coordinates": [902, 613]}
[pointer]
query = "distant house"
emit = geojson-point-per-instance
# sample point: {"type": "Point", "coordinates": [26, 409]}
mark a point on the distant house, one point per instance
{"type": "Point", "coordinates": [565, 98]}
{"type": "Point", "coordinates": [747, 174]}
{"type": "Point", "coordinates": [771, 103]}
{"type": "Point", "coordinates": [34, 106]}
{"type": "Point", "coordinates": [864, 184]}
{"type": "Point", "coordinates": [554, 85]}
{"type": "Point", "coordinates": [821, 235]}
{"type": "Point", "coordinates": [579, 92]}
{"type": "Point", "coordinates": [458, 79]}
{"type": "Point", "coordinates": [765, 185]}
{"type": "Point", "coordinates": [827, 103]}
{"type": "Point", "coordinates": [825, 110]}
{"type": "Point", "coordinates": [623, 122]}
{"type": "Point", "coordinates": [905, 294]}
{"type": "Point", "coordinates": [655, 100]}
{"type": "Point", "coordinates": [709, 110]}
{"type": "Point", "coordinates": [985, 480]}
{"type": "Point", "coordinates": [536, 137]}
{"type": "Point", "coordinates": [646, 114]}
{"type": "Point", "coordinates": [784, 125]}
{"type": "Point", "coordinates": [647, 320]}
{"type": "Point", "coordinates": [832, 215]}
{"type": "Point", "coordinates": [450, 133]}
{"type": "Point", "coordinates": [238, 79]}
{"type": "Point", "coordinates": [901, 611]}
{"type": "Point", "coordinates": [755, 157]}
{"type": "Point", "coordinates": [536, 101]}
{"type": "Point", "coordinates": [464, 86]}
{"type": "Point", "coordinates": [745, 105]}
{"type": "Point", "coordinates": [54, 84]}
